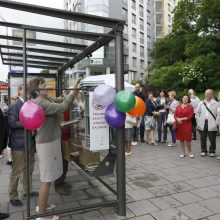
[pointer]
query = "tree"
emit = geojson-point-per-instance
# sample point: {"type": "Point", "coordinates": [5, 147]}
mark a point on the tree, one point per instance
{"type": "Point", "coordinates": [190, 55]}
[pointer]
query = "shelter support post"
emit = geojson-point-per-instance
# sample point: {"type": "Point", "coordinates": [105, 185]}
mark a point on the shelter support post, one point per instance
{"type": "Point", "coordinates": [27, 149]}
{"type": "Point", "coordinates": [120, 134]}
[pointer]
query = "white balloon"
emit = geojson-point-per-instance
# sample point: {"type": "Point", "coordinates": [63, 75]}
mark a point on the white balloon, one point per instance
{"type": "Point", "coordinates": [104, 95]}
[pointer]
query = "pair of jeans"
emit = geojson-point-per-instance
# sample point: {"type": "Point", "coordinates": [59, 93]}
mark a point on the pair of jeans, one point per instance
{"type": "Point", "coordinates": [135, 133]}
{"type": "Point", "coordinates": [212, 139]}
{"type": "Point", "coordinates": [161, 123]}
{"type": "Point", "coordinates": [142, 129]}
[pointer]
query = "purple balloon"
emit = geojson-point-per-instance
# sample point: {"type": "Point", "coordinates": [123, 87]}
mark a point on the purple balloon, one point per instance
{"type": "Point", "coordinates": [31, 116]}
{"type": "Point", "coordinates": [114, 118]}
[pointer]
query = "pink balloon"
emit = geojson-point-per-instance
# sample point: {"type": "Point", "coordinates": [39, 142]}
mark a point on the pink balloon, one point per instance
{"type": "Point", "coordinates": [31, 116]}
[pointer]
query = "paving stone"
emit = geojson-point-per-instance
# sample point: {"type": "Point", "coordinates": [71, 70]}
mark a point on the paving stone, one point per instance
{"type": "Point", "coordinates": [169, 214]}
{"type": "Point", "coordinates": [142, 207]}
{"type": "Point", "coordinates": [204, 181]}
{"type": "Point", "coordinates": [211, 204]}
{"type": "Point", "coordinates": [165, 202]}
{"type": "Point", "coordinates": [181, 187]}
{"type": "Point", "coordinates": [215, 188]}
{"type": "Point", "coordinates": [205, 193]}
{"type": "Point", "coordinates": [91, 201]}
{"type": "Point", "coordinates": [175, 178]}
{"type": "Point", "coordinates": [195, 211]}
{"type": "Point", "coordinates": [111, 213]}
{"type": "Point", "coordinates": [214, 217]}
{"type": "Point", "coordinates": [75, 195]}
{"type": "Point", "coordinates": [93, 215]}
{"type": "Point", "coordinates": [186, 197]}
{"type": "Point", "coordinates": [98, 191]}
{"type": "Point", "coordinates": [161, 190]}
{"type": "Point", "coordinates": [140, 194]}
{"type": "Point", "coordinates": [16, 216]}
{"type": "Point", "coordinates": [143, 217]}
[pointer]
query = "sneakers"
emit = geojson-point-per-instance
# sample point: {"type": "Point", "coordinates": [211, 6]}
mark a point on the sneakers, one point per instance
{"type": "Point", "coordinates": [191, 155]}
{"type": "Point", "coordinates": [49, 207]}
{"type": "Point", "coordinates": [182, 155]}
{"type": "Point", "coordinates": [9, 163]}
{"type": "Point", "coordinates": [55, 217]}
{"type": "Point", "coordinates": [133, 143]}
{"type": "Point", "coordinates": [127, 153]}
{"type": "Point", "coordinates": [16, 202]}
{"type": "Point", "coordinates": [1, 156]}
{"type": "Point", "coordinates": [203, 154]}
{"type": "Point", "coordinates": [212, 154]}
{"type": "Point", "coordinates": [171, 145]}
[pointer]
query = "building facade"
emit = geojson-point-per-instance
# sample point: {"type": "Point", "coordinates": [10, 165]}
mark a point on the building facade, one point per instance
{"type": "Point", "coordinates": [140, 33]}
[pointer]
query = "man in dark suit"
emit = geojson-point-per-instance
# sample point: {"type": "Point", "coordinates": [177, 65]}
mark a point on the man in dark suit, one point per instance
{"type": "Point", "coordinates": [17, 144]}
{"type": "Point", "coordinates": [3, 133]}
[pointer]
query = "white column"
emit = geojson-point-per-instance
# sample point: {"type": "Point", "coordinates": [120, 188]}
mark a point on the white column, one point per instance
{"type": "Point", "coordinates": [108, 70]}
{"type": "Point", "coordinates": [87, 71]}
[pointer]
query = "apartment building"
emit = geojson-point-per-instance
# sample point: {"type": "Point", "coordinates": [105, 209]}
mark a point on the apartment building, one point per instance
{"type": "Point", "coordinates": [140, 33]}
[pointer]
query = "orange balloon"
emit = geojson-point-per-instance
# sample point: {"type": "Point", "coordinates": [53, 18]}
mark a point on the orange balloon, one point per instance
{"type": "Point", "coordinates": [139, 109]}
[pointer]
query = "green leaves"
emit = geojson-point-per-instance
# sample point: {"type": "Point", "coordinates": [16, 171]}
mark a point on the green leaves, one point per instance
{"type": "Point", "coordinates": [190, 55]}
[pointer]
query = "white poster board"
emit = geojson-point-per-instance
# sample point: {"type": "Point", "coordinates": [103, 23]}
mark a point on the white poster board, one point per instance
{"type": "Point", "coordinates": [99, 129]}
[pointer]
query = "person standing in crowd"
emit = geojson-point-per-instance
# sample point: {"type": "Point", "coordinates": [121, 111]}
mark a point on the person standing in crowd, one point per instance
{"type": "Point", "coordinates": [17, 144]}
{"type": "Point", "coordinates": [161, 102]}
{"type": "Point", "coordinates": [183, 115]}
{"type": "Point", "coordinates": [194, 102]}
{"type": "Point", "coordinates": [129, 123]}
{"type": "Point", "coordinates": [136, 131]}
{"type": "Point", "coordinates": [206, 114]}
{"type": "Point", "coordinates": [171, 108]}
{"type": "Point", "coordinates": [3, 134]}
{"type": "Point", "coordinates": [149, 119]}
{"type": "Point", "coordinates": [48, 138]}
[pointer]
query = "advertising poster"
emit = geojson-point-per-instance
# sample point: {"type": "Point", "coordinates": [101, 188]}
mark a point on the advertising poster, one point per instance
{"type": "Point", "coordinates": [99, 129]}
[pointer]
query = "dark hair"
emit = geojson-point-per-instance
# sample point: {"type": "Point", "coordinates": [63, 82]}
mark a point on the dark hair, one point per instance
{"type": "Point", "coordinates": [189, 100]}
{"type": "Point", "coordinates": [34, 85]}
{"type": "Point", "coordinates": [164, 91]}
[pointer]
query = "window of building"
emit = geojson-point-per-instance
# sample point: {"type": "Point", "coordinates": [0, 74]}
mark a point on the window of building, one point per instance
{"type": "Point", "coordinates": [169, 7]}
{"type": "Point", "coordinates": [142, 76]}
{"type": "Point", "coordinates": [148, 25]}
{"type": "Point", "coordinates": [125, 1]}
{"type": "Point", "coordinates": [141, 24]}
{"type": "Point", "coordinates": [125, 44]}
{"type": "Point", "coordinates": [148, 2]}
{"type": "Point", "coordinates": [124, 13]}
{"type": "Point", "coordinates": [125, 59]}
{"type": "Point", "coordinates": [133, 18]}
{"type": "Point", "coordinates": [134, 33]}
{"type": "Point", "coordinates": [169, 28]}
{"type": "Point", "coordinates": [134, 47]}
{"type": "Point", "coordinates": [134, 61]}
{"type": "Point", "coordinates": [141, 51]}
{"type": "Point", "coordinates": [133, 4]}
{"type": "Point", "coordinates": [141, 10]}
{"type": "Point", "coordinates": [142, 63]}
{"type": "Point", "coordinates": [141, 1]}
{"type": "Point", "coordinates": [148, 13]}
{"type": "Point", "coordinates": [169, 17]}
{"type": "Point", "coordinates": [141, 38]}
{"type": "Point", "coordinates": [149, 39]}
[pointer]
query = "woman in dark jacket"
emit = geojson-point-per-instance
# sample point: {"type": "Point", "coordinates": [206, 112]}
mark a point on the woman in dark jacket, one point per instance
{"type": "Point", "coordinates": [149, 119]}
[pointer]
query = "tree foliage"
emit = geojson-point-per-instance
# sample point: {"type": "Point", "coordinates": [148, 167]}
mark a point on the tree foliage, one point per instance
{"type": "Point", "coordinates": [190, 55]}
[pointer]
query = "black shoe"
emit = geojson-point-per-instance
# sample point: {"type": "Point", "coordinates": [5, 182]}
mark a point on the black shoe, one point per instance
{"type": "Point", "coordinates": [142, 140]}
{"type": "Point", "coordinates": [9, 162]}
{"type": "Point", "coordinates": [163, 142]}
{"type": "Point", "coordinates": [4, 215]}
{"type": "Point", "coordinates": [32, 194]}
{"type": "Point", "coordinates": [16, 202]}
{"type": "Point", "coordinates": [158, 141]}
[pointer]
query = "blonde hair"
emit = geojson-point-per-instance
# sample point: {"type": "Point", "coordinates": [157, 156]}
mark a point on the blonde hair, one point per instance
{"type": "Point", "coordinates": [172, 93]}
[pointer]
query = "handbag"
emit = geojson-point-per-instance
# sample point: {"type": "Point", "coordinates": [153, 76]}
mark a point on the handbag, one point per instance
{"type": "Point", "coordinates": [170, 119]}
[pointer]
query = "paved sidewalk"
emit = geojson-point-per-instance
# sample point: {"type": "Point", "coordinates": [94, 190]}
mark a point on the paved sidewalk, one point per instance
{"type": "Point", "coordinates": [160, 186]}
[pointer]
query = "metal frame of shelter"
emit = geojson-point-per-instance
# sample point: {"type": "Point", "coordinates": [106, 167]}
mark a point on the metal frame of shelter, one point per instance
{"type": "Point", "coordinates": [61, 64]}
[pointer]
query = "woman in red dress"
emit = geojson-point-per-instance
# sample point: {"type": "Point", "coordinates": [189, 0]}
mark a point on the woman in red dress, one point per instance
{"type": "Point", "coordinates": [183, 115]}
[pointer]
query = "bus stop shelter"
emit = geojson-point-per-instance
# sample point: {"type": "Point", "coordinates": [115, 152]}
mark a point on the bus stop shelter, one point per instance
{"type": "Point", "coordinates": [60, 61]}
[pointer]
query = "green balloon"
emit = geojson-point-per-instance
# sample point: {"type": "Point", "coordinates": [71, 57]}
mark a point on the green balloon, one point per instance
{"type": "Point", "coordinates": [125, 101]}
